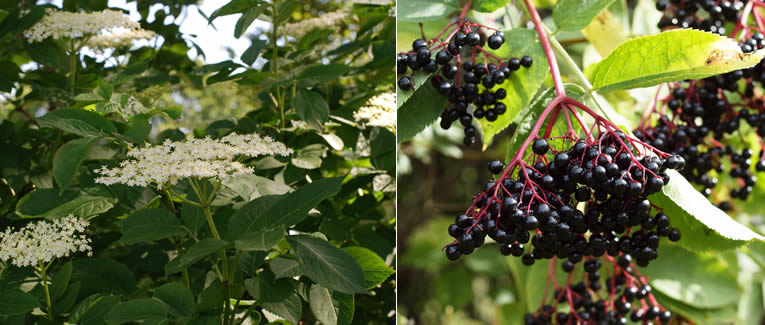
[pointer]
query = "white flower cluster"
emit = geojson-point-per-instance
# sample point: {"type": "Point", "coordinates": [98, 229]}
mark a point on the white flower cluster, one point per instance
{"type": "Point", "coordinates": [202, 158]}
{"type": "Point", "coordinates": [108, 27]}
{"type": "Point", "coordinates": [101, 43]}
{"type": "Point", "coordinates": [328, 20]}
{"type": "Point", "coordinates": [379, 111]}
{"type": "Point", "coordinates": [42, 241]}
{"type": "Point", "coordinates": [133, 107]}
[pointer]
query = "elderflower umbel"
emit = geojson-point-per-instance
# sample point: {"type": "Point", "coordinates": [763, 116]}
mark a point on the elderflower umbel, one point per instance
{"type": "Point", "coordinates": [379, 111]}
{"type": "Point", "coordinates": [202, 158]}
{"type": "Point", "coordinates": [42, 241]}
{"type": "Point", "coordinates": [64, 24]}
{"type": "Point", "coordinates": [101, 43]}
{"type": "Point", "coordinates": [328, 20]}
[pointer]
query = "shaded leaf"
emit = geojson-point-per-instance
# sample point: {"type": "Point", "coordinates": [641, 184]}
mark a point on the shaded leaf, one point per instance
{"type": "Point", "coordinates": [328, 265]}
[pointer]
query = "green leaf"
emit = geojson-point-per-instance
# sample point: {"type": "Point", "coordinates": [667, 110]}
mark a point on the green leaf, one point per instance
{"type": "Point", "coordinates": [330, 308]}
{"type": "Point", "coordinates": [311, 107]}
{"type": "Point", "coordinates": [234, 7]}
{"type": "Point", "coordinates": [285, 267]}
{"type": "Point", "coordinates": [375, 269]}
{"type": "Point", "coordinates": [77, 121]}
{"type": "Point", "coordinates": [260, 241]}
{"type": "Point", "coordinates": [200, 250]}
{"type": "Point", "coordinates": [68, 158]}
{"type": "Point", "coordinates": [418, 107]}
{"type": "Point", "coordinates": [142, 309]}
{"type": "Point", "coordinates": [99, 274]}
{"type": "Point", "coordinates": [91, 310]}
{"type": "Point", "coordinates": [328, 265]}
{"type": "Point", "coordinates": [211, 298]}
{"type": "Point", "coordinates": [251, 54]}
{"type": "Point", "coordinates": [277, 296]}
{"type": "Point", "coordinates": [700, 270]}
{"type": "Point", "coordinates": [178, 297]}
{"type": "Point", "coordinates": [174, 112]}
{"type": "Point", "coordinates": [383, 146]}
{"type": "Point", "coordinates": [673, 55]}
{"type": "Point", "coordinates": [150, 224]}
{"type": "Point", "coordinates": [65, 303]}
{"type": "Point", "coordinates": [573, 15]}
{"type": "Point", "coordinates": [60, 281]}
{"type": "Point", "coordinates": [309, 157]}
{"type": "Point", "coordinates": [489, 5]}
{"type": "Point", "coordinates": [49, 204]}
{"type": "Point", "coordinates": [281, 210]}
{"type": "Point", "coordinates": [247, 18]}
{"type": "Point", "coordinates": [322, 73]}
{"type": "Point", "coordinates": [522, 84]}
{"type": "Point", "coordinates": [424, 10]}
{"type": "Point", "coordinates": [703, 226]}
{"type": "Point", "coordinates": [16, 302]}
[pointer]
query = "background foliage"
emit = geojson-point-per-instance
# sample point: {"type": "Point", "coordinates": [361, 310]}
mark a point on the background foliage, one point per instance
{"type": "Point", "coordinates": [336, 191]}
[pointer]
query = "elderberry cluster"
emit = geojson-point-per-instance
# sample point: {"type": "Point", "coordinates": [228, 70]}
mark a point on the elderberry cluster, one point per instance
{"type": "Point", "coordinates": [628, 299]}
{"type": "Point", "coordinates": [707, 15]}
{"type": "Point", "coordinates": [601, 172]}
{"type": "Point", "coordinates": [464, 83]}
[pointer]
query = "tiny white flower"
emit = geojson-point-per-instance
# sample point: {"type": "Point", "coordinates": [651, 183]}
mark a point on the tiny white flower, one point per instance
{"type": "Point", "coordinates": [42, 241]}
{"type": "Point", "coordinates": [202, 158]}
{"type": "Point", "coordinates": [379, 111]}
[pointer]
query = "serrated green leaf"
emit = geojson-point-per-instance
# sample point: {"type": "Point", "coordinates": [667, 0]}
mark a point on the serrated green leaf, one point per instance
{"type": "Point", "coordinates": [142, 309]}
{"type": "Point", "coordinates": [99, 274]}
{"type": "Point", "coordinates": [251, 54]}
{"type": "Point", "coordinates": [330, 308]}
{"type": "Point", "coordinates": [703, 226]}
{"type": "Point", "coordinates": [260, 241]}
{"type": "Point", "coordinates": [283, 267]}
{"type": "Point", "coordinates": [277, 296]}
{"type": "Point", "coordinates": [328, 265]}
{"type": "Point", "coordinates": [573, 15]}
{"type": "Point", "coordinates": [489, 5]}
{"type": "Point", "coordinates": [60, 281]}
{"type": "Point", "coordinates": [66, 301]}
{"type": "Point", "coordinates": [247, 18]}
{"type": "Point", "coordinates": [425, 10]}
{"type": "Point", "coordinates": [178, 297]}
{"type": "Point", "coordinates": [200, 250]}
{"type": "Point", "coordinates": [321, 73]}
{"type": "Point", "coordinates": [77, 121]}
{"type": "Point", "coordinates": [16, 302]}
{"type": "Point", "coordinates": [234, 7]}
{"type": "Point", "coordinates": [47, 203]}
{"type": "Point", "coordinates": [91, 310]}
{"type": "Point", "coordinates": [522, 84]}
{"type": "Point", "coordinates": [417, 107]}
{"type": "Point", "coordinates": [700, 270]}
{"type": "Point", "coordinates": [68, 158]}
{"type": "Point", "coordinates": [150, 224]}
{"type": "Point", "coordinates": [375, 269]}
{"type": "Point", "coordinates": [311, 107]}
{"type": "Point", "coordinates": [673, 55]}
{"type": "Point", "coordinates": [281, 210]}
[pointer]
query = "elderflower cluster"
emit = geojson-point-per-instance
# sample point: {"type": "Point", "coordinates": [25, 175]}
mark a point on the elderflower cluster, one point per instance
{"type": "Point", "coordinates": [64, 24]}
{"type": "Point", "coordinates": [101, 43]}
{"type": "Point", "coordinates": [201, 158]}
{"type": "Point", "coordinates": [42, 241]}
{"type": "Point", "coordinates": [328, 20]}
{"type": "Point", "coordinates": [379, 111]}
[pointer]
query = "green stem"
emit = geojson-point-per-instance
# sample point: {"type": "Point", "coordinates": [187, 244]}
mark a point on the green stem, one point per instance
{"type": "Point", "coordinates": [275, 60]}
{"type": "Point", "coordinates": [73, 53]}
{"type": "Point", "coordinates": [44, 277]}
{"type": "Point", "coordinates": [204, 201]}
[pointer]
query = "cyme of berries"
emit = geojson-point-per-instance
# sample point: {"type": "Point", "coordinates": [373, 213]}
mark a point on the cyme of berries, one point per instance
{"type": "Point", "coordinates": [534, 215]}
{"type": "Point", "coordinates": [707, 15]}
{"type": "Point", "coordinates": [465, 72]}
{"type": "Point", "coordinates": [627, 296]}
